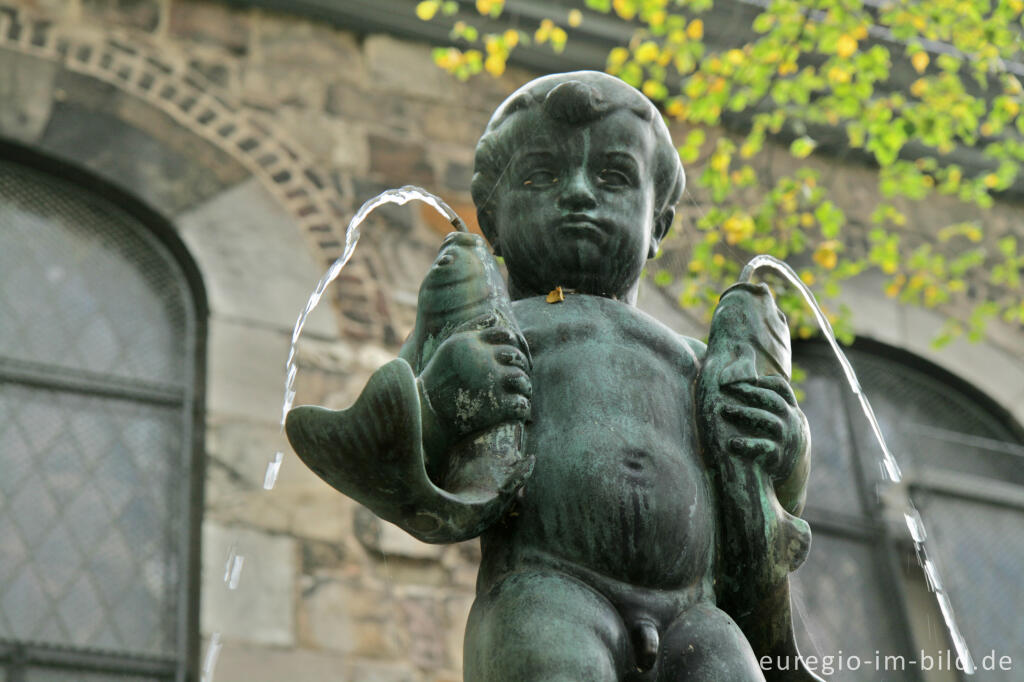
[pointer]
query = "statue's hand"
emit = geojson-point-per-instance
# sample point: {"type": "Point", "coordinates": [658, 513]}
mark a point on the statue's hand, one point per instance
{"type": "Point", "coordinates": [757, 419]}
{"type": "Point", "coordinates": [477, 379]}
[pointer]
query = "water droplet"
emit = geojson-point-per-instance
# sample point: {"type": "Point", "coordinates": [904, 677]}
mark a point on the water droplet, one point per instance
{"type": "Point", "coordinates": [212, 652]}
{"type": "Point", "coordinates": [273, 468]}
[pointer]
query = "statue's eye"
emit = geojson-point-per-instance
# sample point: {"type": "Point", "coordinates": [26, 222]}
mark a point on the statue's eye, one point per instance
{"type": "Point", "coordinates": [612, 177]}
{"type": "Point", "coordinates": [540, 177]}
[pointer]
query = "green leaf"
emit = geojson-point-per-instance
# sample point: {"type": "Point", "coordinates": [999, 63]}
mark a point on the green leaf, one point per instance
{"type": "Point", "coordinates": [802, 147]}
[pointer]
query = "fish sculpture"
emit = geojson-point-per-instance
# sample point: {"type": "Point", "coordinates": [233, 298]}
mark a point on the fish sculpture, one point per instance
{"type": "Point", "coordinates": [373, 451]}
{"type": "Point", "coordinates": [761, 538]}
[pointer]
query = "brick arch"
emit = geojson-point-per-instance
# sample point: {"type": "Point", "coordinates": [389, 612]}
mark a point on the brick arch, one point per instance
{"type": "Point", "coordinates": [246, 144]}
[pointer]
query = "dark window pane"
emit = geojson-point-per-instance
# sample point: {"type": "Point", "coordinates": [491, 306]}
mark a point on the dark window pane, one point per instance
{"type": "Point", "coordinates": [979, 552]}
{"type": "Point", "coordinates": [841, 604]}
{"type": "Point", "coordinates": [91, 539]}
{"type": "Point", "coordinates": [83, 285]}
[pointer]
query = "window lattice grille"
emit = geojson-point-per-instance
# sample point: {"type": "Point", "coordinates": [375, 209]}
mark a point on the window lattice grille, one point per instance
{"type": "Point", "coordinates": [97, 332]}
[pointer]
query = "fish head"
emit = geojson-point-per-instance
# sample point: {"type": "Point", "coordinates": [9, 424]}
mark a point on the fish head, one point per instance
{"type": "Point", "coordinates": [750, 330]}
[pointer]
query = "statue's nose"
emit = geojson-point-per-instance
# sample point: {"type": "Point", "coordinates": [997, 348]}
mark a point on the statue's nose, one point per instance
{"type": "Point", "coordinates": [578, 192]}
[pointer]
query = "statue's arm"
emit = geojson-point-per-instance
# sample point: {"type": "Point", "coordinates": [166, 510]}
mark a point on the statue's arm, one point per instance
{"type": "Point", "coordinates": [756, 443]}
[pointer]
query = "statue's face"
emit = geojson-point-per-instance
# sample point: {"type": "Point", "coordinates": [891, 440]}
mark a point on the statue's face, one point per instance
{"type": "Point", "coordinates": [576, 205]}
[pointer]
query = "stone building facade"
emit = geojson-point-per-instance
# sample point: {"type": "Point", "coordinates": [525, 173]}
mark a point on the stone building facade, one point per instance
{"type": "Point", "coordinates": [253, 136]}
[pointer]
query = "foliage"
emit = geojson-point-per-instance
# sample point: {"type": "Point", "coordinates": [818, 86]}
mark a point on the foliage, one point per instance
{"type": "Point", "coordinates": [906, 84]}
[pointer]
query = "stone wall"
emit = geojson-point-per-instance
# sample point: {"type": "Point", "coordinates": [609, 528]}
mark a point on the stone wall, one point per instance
{"type": "Point", "coordinates": [327, 592]}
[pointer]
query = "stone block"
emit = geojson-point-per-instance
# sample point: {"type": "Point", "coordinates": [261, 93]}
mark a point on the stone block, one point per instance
{"type": "Point", "coordinates": [458, 176]}
{"type": "Point", "coordinates": [455, 123]}
{"type": "Point", "coordinates": [398, 66]}
{"type": "Point", "coordinates": [423, 619]}
{"type": "Point", "coordinates": [457, 609]}
{"type": "Point", "coordinates": [352, 618]}
{"type": "Point", "coordinates": [26, 88]}
{"type": "Point", "coordinates": [389, 113]}
{"type": "Point", "coordinates": [332, 54]}
{"type": "Point", "coordinates": [255, 262]}
{"type": "Point", "coordinates": [210, 23]}
{"type": "Point", "coordinates": [335, 142]}
{"type": "Point", "coordinates": [142, 14]}
{"type": "Point", "coordinates": [261, 608]}
{"type": "Point", "coordinates": [245, 370]}
{"type": "Point", "coordinates": [241, 663]}
{"type": "Point", "coordinates": [382, 672]}
{"type": "Point", "coordinates": [400, 161]}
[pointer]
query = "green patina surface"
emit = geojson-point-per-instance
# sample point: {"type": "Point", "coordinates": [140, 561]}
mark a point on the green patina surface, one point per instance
{"type": "Point", "coordinates": [635, 492]}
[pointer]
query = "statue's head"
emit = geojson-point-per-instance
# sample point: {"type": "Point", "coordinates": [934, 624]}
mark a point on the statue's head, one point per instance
{"type": "Point", "coordinates": [575, 184]}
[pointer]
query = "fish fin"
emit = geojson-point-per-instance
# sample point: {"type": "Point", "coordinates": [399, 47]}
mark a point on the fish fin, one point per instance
{"type": "Point", "coordinates": [373, 452]}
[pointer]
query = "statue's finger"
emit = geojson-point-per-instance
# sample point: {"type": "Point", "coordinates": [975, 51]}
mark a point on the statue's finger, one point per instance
{"type": "Point", "coordinates": [762, 422]}
{"type": "Point", "coordinates": [753, 447]}
{"type": "Point", "coordinates": [508, 355]}
{"type": "Point", "coordinates": [518, 407]}
{"type": "Point", "coordinates": [756, 396]}
{"type": "Point", "coordinates": [518, 382]}
{"type": "Point", "coordinates": [779, 385]}
{"type": "Point", "coordinates": [499, 335]}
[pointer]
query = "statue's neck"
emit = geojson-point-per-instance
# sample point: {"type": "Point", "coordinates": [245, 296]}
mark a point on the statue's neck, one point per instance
{"type": "Point", "coordinates": [518, 293]}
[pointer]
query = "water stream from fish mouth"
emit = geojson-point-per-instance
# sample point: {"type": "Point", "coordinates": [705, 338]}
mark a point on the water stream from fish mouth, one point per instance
{"type": "Point", "coordinates": [914, 523]}
{"type": "Point", "coordinates": [400, 196]}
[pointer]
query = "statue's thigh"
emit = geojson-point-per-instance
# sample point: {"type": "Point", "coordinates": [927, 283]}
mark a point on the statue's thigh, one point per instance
{"type": "Point", "coordinates": [544, 627]}
{"type": "Point", "coordinates": [705, 645]}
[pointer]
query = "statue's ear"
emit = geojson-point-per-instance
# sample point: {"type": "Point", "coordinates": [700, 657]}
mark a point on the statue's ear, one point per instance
{"type": "Point", "coordinates": [486, 221]}
{"type": "Point", "coordinates": [662, 223]}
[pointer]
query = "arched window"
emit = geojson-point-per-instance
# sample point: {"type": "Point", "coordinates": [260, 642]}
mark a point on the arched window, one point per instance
{"type": "Point", "coordinates": [861, 590]}
{"type": "Point", "coordinates": [100, 347]}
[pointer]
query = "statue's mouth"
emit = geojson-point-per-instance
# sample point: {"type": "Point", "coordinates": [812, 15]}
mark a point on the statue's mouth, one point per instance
{"type": "Point", "coordinates": [582, 225]}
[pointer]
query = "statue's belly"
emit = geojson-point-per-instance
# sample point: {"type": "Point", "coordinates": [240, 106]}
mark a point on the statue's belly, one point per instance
{"type": "Point", "coordinates": [625, 505]}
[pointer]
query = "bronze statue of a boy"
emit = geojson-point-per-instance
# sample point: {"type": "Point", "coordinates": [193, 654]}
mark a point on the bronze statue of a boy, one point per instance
{"type": "Point", "coordinates": [632, 491]}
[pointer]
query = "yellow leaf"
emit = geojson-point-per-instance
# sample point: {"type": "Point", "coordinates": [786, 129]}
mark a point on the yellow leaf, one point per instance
{"type": "Point", "coordinates": [737, 228]}
{"type": "Point", "coordinates": [991, 180]}
{"type": "Point", "coordinates": [427, 9]}
{"type": "Point", "coordinates": [484, 6]}
{"type": "Point", "coordinates": [735, 57]}
{"type": "Point", "coordinates": [826, 255]}
{"type": "Point", "coordinates": [695, 30]}
{"type": "Point", "coordinates": [647, 52]}
{"type": "Point", "coordinates": [808, 277]}
{"type": "Point", "coordinates": [894, 288]}
{"type": "Point", "coordinates": [511, 38]}
{"type": "Point", "coordinates": [618, 56]}
{"type": "Point", "coordinates": [838, 75]}
{"type": "Point", "coordinates": [1012, 106]}
{"type": "Point", "coordinates": [919, 87]}
{"type": "Point", "coordinates": [846, 46]}
{"type": "Point", "coordinates": [718, 259]}
{"type": "Point", "coordinates": [556, 295]}
{"type": "Point", "coordinates": [624, 8]}
{"type": "Point", "coordinates": [787, 68]}
{"type": "Point", "coordinates": [495, 65]}
{"type": "Point", "coordinates": [676, 109]}
{"type": "Point", "coordinates": [806, 220]}
{"type": "Point", "coordinates": [920, 61]}
{"type": "Point", "coordinates": [575, 18]}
